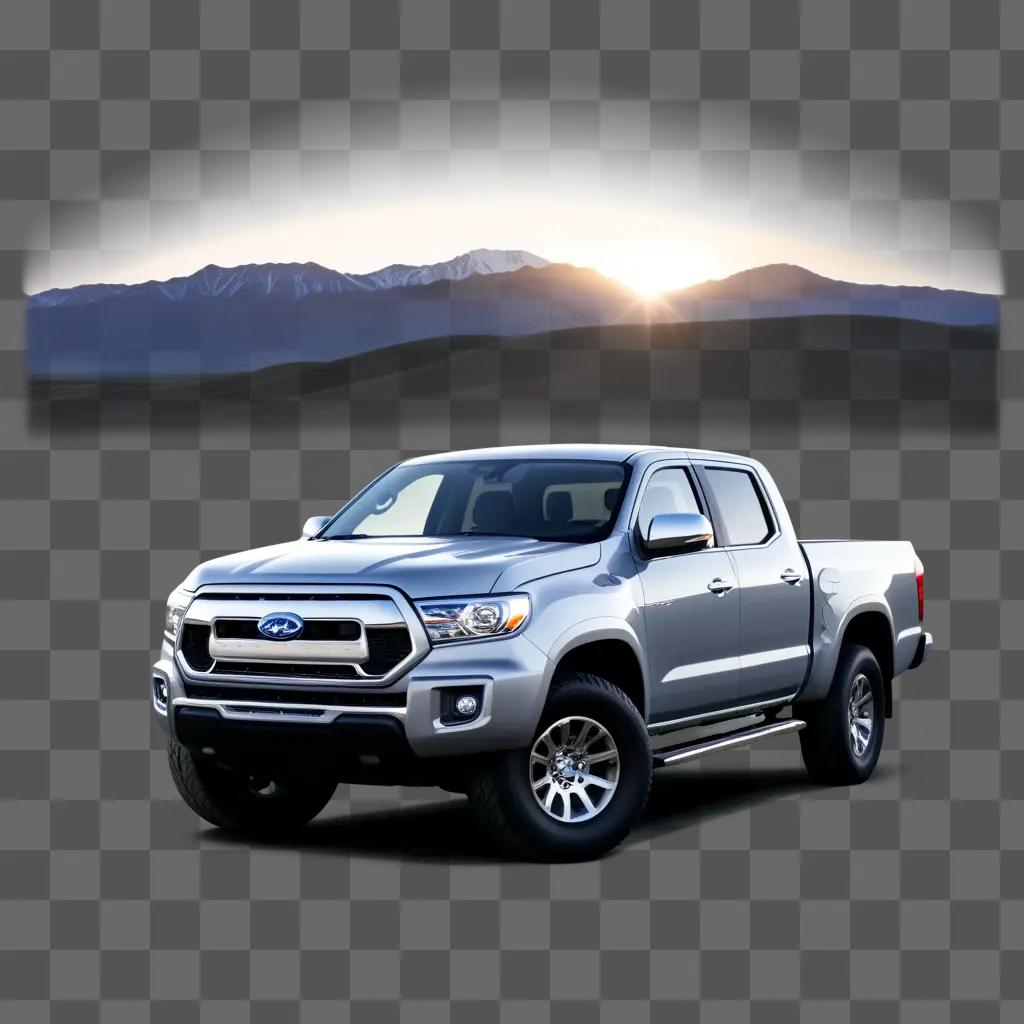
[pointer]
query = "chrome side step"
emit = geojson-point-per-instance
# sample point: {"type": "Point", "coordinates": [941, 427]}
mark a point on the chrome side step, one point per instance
{"type": "Point", "coordinates": [699, 748]}
{"type": "Point", "coordinates": [720, 715]}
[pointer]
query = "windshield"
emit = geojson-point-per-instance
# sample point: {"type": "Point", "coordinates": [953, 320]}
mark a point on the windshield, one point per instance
{"type": "Point", "coordinates": [545, 499]}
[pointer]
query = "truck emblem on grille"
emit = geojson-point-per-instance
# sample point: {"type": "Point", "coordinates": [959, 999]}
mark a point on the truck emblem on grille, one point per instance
{"type": "Point", "coordinates": [280, 626]}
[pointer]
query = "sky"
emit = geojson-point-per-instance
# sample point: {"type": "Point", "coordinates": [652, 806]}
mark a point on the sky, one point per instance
{"type": "Point", "coordinates": [653, 232]}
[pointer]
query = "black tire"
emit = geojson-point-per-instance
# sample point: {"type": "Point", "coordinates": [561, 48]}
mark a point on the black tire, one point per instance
{"type": "Point", "coordinates": [240, 803]}
{"type": "Point", "coordinates": [829, 749]}
{"type": "Point", "coordinates": [502, 796]}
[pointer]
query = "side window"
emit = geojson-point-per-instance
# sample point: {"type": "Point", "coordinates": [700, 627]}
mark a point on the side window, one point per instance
{"type": "Point", "coordinates": [745, 519]}
{"type": "Point", "coordinates": [668, 491]}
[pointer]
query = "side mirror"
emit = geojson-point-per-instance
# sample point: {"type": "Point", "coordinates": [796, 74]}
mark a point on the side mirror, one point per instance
{"type": "Point", "coordinates": [314, 524]}
{"type": "Point", "coordinates": [677, 533]}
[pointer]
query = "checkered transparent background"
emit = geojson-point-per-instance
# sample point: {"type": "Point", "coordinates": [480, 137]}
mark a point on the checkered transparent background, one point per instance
{"type": "Point", "coordinates": [746, 894]}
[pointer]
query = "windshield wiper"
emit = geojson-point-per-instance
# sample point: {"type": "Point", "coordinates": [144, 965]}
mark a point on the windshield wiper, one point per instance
{"type": "Point", "coordinates": [347, 536]}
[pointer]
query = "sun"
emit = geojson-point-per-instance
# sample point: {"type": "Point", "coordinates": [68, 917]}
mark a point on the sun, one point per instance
{"type": "Point", "coordinates": [653, 268]}
{"type": "Point", "coordinates": [648, 283]}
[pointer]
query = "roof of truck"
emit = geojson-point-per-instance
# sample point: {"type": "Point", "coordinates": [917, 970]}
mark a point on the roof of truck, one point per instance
{"type": "Point", "coordinates": [600, 452]}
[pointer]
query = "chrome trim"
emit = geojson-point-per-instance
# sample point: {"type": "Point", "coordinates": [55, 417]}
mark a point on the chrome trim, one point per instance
{"type": "Point", "coordinates": [381, 606]}
{"type": "Point", "coordinates": [702, 668]}
{"type": "Point", "coordinates": [349, 652]}
{"type": "Point", "coordinates": [741, 739]}
{"type": "Point", "coordinates": [206, 609]}
{"type": "Point", "coordinates": [271, 711]}
{"type": "Point", "coordinates": [798, 652]}
{"type": "Point", "coordinates": [659, 727]}
{"type": "Point", "coordinates": [679, 533]}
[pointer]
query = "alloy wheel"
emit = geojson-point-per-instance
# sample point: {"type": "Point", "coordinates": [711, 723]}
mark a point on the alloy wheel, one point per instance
{"type": "Point", "coordinates": [861, 715]}
{"type": "Point", "coordinates": [574, 769]}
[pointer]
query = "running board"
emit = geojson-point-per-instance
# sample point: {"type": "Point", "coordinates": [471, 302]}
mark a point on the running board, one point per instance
{"type": "Point", "coordinates": [691, 751]}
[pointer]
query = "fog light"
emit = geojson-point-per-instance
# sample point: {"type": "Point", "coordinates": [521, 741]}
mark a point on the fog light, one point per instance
{"type": "Point", "coordinates": [461, 704]}
{"type": "Point", "coordinates": [466, 705]}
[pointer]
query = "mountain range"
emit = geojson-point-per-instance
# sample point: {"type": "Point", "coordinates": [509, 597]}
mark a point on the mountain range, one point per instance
{"type": "Point", "coordinates": [230, 319]}
{"type": "Point", "coordinates": [293, 280]}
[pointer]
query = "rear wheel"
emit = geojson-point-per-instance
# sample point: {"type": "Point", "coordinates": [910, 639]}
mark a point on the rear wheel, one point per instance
{"type": "Point", "coordinates": [248, 804]}
{"type": "Point", "coordinates": [580, 786]}
{"type": "Point", "coordinates": [843, 737]}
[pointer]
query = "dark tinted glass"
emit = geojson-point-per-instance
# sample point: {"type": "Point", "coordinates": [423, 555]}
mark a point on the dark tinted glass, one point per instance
{"type": "Point", "coordinates": [540, 498]}
{"type": "Point", "coordinates": [743, 516]}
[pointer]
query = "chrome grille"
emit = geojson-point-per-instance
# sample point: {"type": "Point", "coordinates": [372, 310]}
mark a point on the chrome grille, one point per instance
{"type": "Point", "coordinates": [316, 630]}
{"type": "Point", "coordinates": [368, 638]}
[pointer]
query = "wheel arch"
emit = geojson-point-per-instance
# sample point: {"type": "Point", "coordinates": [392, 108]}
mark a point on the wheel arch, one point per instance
{"type": "Point", "coordinates": [868, 620]}
{"type": "Point", "coordinates": [611, 655]}
{"type": "Point", "coordinates": [873, 630]}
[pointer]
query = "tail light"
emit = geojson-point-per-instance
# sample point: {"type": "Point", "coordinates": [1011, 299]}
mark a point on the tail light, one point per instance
{"type": "Point", "coordinates": [919, 573]}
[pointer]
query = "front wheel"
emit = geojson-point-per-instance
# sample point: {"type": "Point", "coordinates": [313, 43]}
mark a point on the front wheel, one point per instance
{"type": "Point", "coordinates": [240, 802]}
{"type": "Point", "coordinates": [580, 786]}
{"type": "Point", "coordinates": [843, 737]}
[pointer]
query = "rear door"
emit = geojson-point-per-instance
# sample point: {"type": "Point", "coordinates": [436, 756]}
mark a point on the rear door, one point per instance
{"type": "Point", "coordinates": [692, 631]}
{"type": "Point", "coordinates": [773, 592]}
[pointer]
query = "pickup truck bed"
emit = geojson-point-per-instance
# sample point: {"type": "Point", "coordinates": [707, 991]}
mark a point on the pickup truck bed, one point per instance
{"type": "Point", "coordinates": [853, 579]}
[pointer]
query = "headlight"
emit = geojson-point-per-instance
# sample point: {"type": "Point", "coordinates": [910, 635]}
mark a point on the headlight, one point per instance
{"type": "Point", "coordinates": [176, 605]}
{"type": "Point", "coordinates": [468, 618]}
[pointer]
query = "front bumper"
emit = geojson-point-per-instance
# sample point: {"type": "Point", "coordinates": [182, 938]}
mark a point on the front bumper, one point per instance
{"type": "Point", "coordinates": [510, 676]}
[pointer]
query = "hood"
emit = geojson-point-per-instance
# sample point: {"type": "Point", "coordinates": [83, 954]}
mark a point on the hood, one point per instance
{"type": "Point", "coordinates": [419, 566]}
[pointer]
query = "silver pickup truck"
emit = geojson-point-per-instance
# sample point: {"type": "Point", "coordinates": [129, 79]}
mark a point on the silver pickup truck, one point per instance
{"type": "Point", "coordinates": [539, 628]}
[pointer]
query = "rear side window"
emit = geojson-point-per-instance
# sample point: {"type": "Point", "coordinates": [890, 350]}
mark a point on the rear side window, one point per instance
{"type": "Point", "coordinates": [744, 518]}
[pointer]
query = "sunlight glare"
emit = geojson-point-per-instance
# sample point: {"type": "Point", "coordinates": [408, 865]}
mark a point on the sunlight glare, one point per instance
{"type": "Point", "coordinates": [653, 268]}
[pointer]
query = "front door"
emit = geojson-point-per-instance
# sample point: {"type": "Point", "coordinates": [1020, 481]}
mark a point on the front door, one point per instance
{"type": "Point", "coordinates": [691, 610]}
{"type": "Point", "coordinates": [774, 594]}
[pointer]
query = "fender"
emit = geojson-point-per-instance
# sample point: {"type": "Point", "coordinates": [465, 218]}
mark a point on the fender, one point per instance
{"type": "Point", "coordinates": [592, 630]}
{"type": "Point", "coordinates": [827, 639]}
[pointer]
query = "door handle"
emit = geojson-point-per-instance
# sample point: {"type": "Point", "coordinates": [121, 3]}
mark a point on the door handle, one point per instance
{"type": "Point", "coordinates": [792, 577]}
{"type": "Point", "coordinates": [719, 587]}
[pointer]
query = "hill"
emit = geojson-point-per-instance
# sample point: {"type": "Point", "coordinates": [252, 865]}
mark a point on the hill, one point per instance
{"type": "Point", "coordinates": [772, 362]}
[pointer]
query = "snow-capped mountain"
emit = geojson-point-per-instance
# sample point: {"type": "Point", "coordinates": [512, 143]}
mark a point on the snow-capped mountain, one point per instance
{"type": "Point", "coordinates": [294, 280]}
{"type": "Point", "coordinates": [477, 261]}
